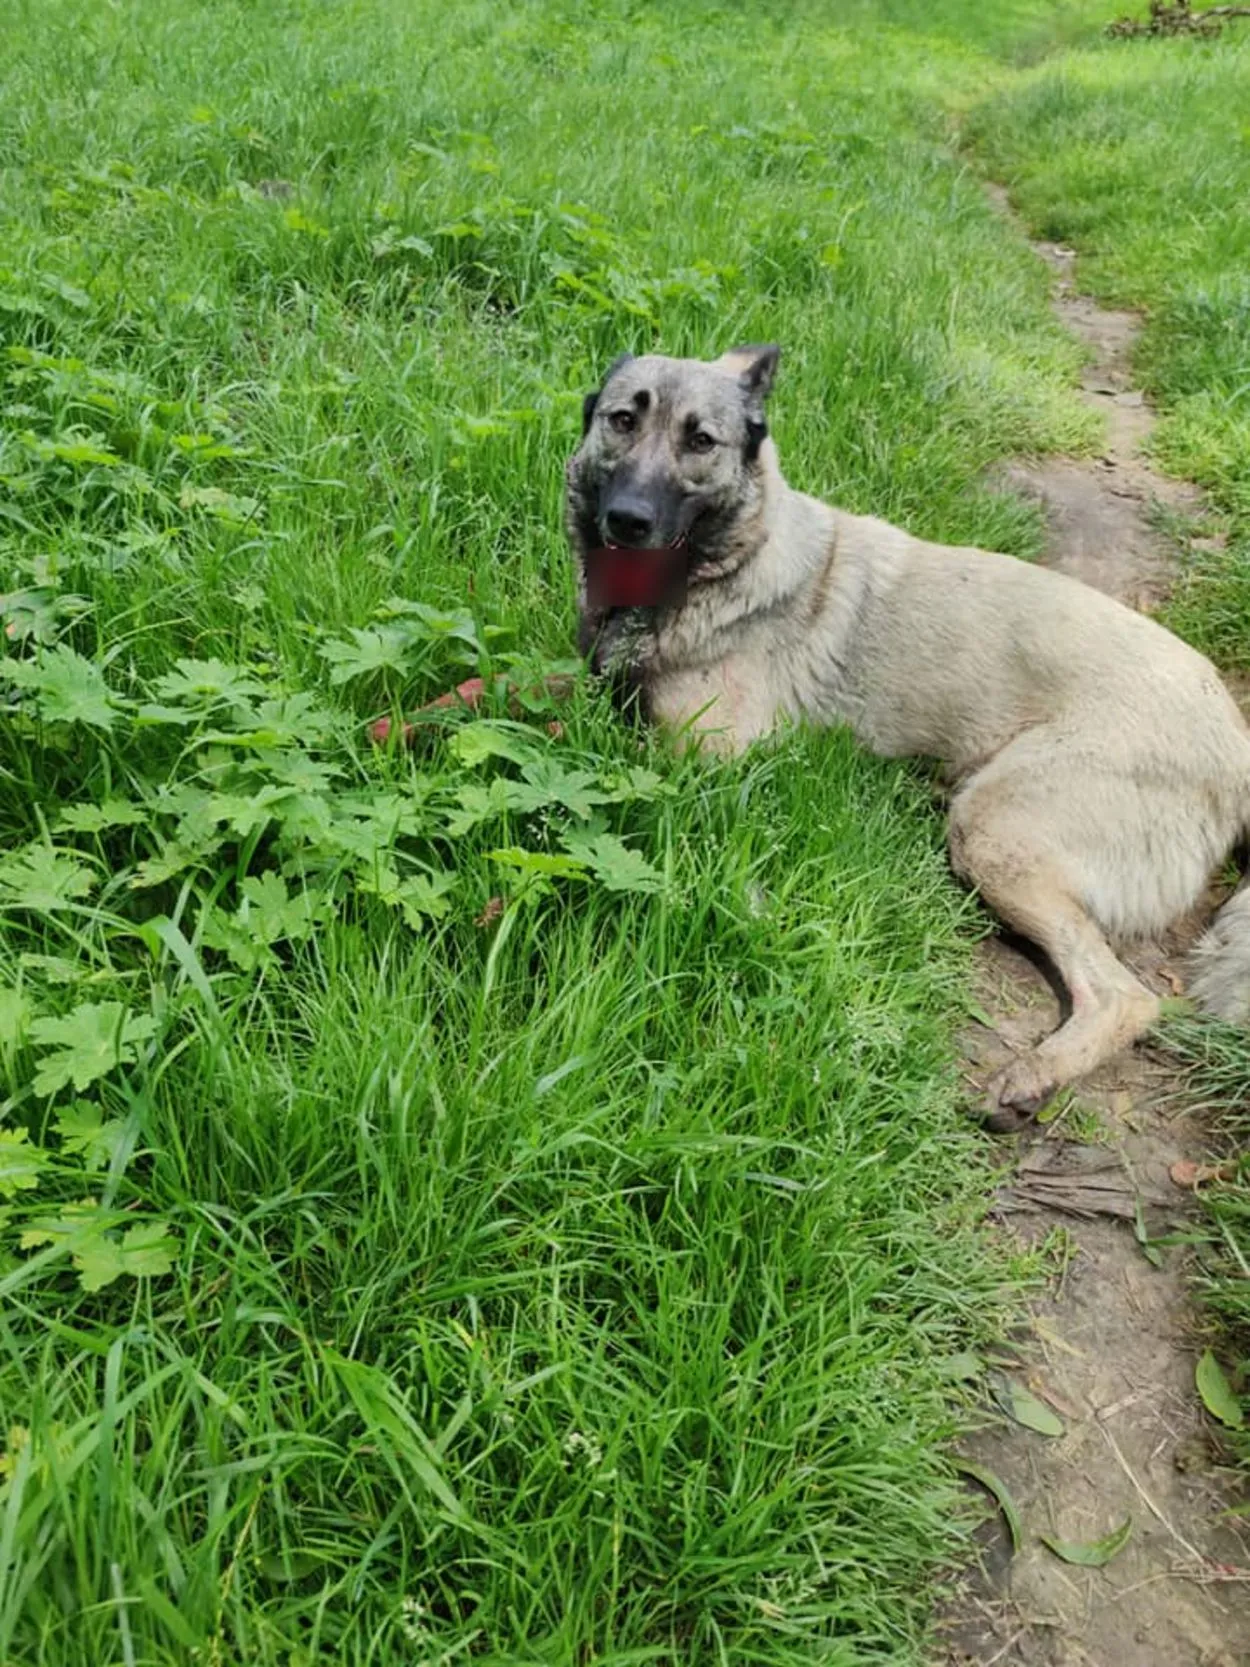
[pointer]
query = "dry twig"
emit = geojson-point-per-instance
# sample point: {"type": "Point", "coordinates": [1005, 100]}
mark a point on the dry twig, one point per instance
{"type": "Point", "coordinates": [1177, 18]}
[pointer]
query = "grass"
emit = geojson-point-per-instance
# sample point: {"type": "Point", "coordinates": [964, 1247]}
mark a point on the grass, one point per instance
{"type": "Point", "coordinates": [1217, 1062]}
{"type": "Point", "coordinates": [1136, 154]}
{"type": "Point", "coordinates": [509, 1202]}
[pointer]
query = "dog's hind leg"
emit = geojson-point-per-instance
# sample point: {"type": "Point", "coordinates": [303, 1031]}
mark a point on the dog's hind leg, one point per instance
{"type": "Point", "coordinates": [1026, 881]}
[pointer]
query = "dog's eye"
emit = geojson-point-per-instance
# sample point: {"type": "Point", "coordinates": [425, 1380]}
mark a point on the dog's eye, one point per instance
{"type": "Point", "coordinates": [701, 440]}
{"type": "Point", "coordinates": [623, 422]}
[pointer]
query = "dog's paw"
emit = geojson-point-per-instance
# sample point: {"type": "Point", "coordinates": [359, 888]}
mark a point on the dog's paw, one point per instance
{"type": "Point", "coordinates": [1002, 1120]}
{"type": "Point", "coordinates": [1018, 1092]}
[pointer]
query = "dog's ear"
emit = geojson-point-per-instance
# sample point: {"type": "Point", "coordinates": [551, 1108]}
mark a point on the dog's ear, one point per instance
{"type": "Point", "coordinates": [755, 368]}
{"type": "Point", "coordinates": [591, 400]}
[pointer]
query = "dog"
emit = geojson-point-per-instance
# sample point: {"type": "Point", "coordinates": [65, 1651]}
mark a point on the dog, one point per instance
{"type": "Point", "coordinates": [1100, 770]}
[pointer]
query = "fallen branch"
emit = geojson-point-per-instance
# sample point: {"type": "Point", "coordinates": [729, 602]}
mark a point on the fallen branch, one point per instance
{"type": "Point", "coordinates": [1177, 18]}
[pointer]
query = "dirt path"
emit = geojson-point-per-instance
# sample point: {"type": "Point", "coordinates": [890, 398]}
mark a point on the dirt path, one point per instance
{"type": "Point", "coordinates": [1114, 1341]}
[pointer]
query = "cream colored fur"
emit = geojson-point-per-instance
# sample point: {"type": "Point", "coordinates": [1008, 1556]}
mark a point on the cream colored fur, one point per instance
{"type": "Point", "coordinates": [1101, 768]}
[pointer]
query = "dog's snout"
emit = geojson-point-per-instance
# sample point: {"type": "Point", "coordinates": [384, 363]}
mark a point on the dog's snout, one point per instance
{"type": "Point", "coordinates": [629, 521]}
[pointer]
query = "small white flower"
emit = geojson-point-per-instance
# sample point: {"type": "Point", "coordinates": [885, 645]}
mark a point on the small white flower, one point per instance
{"type": "Point", "coordinates": [576, 1446]}
{"type": "Point", "coordinates": [412, 1611]}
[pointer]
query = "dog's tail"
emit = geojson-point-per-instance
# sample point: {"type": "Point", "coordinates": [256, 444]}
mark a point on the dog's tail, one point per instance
{"type": "Point", "coordinates": [1220, 968]}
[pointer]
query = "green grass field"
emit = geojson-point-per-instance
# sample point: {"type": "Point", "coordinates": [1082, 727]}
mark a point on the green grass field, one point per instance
{"type": "Point", "coordinates": [1138, 154]}
{"type": "Point", "coordinates": [509, 1202]}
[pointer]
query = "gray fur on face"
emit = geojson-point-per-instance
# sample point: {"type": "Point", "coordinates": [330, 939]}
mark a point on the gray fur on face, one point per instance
{"type": "Point", "coordinates": [670, 450]}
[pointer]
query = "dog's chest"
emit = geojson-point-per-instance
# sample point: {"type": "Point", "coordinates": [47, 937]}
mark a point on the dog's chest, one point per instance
{"type": "Point", "coordinates": [727, 704]}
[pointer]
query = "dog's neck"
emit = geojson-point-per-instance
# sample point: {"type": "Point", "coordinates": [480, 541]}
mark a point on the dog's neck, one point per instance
{"type": "Point", "coordinates": [779, 544]}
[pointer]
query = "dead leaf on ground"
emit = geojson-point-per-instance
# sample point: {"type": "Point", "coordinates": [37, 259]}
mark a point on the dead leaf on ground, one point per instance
{"type": "Point", "coordinates": [491, 913]}
{"type": "Point", "coordinates": [1049, 1335]}
{"type": "Point", "coordinates": [1185, 1173]}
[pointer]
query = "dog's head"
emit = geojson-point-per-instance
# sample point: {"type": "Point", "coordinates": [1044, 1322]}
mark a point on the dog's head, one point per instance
{"type": "Point", "coordinates": [670, 455]}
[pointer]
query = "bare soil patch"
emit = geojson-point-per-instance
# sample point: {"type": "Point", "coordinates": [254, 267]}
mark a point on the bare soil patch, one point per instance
{"type": "Point", "coordinates": [1114, 1341]}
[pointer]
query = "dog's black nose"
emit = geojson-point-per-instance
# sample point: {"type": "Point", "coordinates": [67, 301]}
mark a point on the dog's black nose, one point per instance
{"type": "Point", "coordinates": [629, 523]}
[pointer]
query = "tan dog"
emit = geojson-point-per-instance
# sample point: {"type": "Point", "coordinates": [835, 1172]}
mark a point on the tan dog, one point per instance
{"type": "Point", "coordinates": [1101, 770]}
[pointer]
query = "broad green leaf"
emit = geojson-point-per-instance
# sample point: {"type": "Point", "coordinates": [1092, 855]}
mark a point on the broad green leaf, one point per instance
{"type": "Point", "coordinates": [433, 623]}
{"type": "Point", "coordinates": [148, 1250]}
{"type": "Point", "coordinates": [576, 790]}
{"type": "Point", "coordinates": [85, 1134]}
{"type": "Point", "coordinates": [113, 813]}
{"type": "Point", "coordinates": [38, 615]}
{"type": "Point", "coordinates": [292, 1565]}
{"type": "Point", "coordinates": [612, 862]}
{"type": "Point", "coordinates": [82, 1220]}
{"type": "Point", "coordinates": [57, 969]}
{"type": "Point", "coordinates": [98, 1254]}
{"type": "Point", "coordinates": [389, 243]}
{"type": "Point", "coordinates": [90, 1041]}
{"type": "Point", "coordinates": [1217, 1393]}
{"type": "Point", "coordinates": [205, 447]}
{"type": "Point", "coordinates": [995, 1485]}
{"type": "Point", "coordinates": [420, 896]}
{"type": "Point", "coordinates": [539, 862]}
{"type": "Point", "coordinates": [1026, 1409]}
{"type": "Point", "coordinates": [65, 687]}
{"type": "Point", "coordinates": [20, 1162]}
{"type": "Point", "coordinates": [242, 813]}
{"type": "Point", "coordinates": [475, 742]}
{"type": "Point", "coordinates": [386, 648]}
{"type": "Point", "coordinates": [98, 1259]}
{"type": "Point", "coordinates": [308, 818]}
{"type": "Point", "coordinates": [386, 815]}
{"type": "Point", "coordinates": [297, 720]}
{"type": "Point", "coordinates": [270, 913]}
{"type": "Point", "coordinates": [222, 931]}
{"type": "Point", "coordinates": [425, 897]}
{"type": "Point", "coordinates": [236, 511]}
{"type": "Point", "coordinates": [301, 773]}
{"type": "Point", "coordinates": [71, 294]}
{"type": "Point", "coordinates": [298, 221]}
{"type": "Point", "coordinates": [1091, 1554]}
{"type": "Point", "coordinates": [635, 783]}
{"type": "Point", "coordinates": [154, 712]}
{"type": "Point", "coordinates": [482, 802]}
{"type": "Point", "coordinates": [15, 1011]}
{"type": "Point", "coordinates": [266, 915]}
{"type": "Point", "coordinates": [207, 683]}
{"type": "Point", "coordinates": [175, 859]}
{"type": "Point", "coordinates": [45, 879]}
{"type": "Point", "coordinates": [87, 451]}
